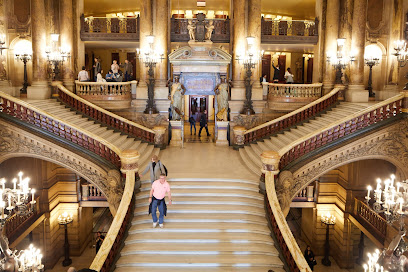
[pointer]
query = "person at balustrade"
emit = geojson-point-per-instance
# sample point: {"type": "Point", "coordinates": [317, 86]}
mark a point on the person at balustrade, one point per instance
{"type": "Point", "coordinates": [157, 199]}
{"type": "Point", "coordinates": [110, 77]}
{"type": "Point", "coordinates": [115, 67]}
{"type": "Point", "coordinates": [83, 75]}
{"type": "Point", "coordinates": [97, 68]}
{"type": "Point", "coordinates": [289, 76]}
{"type": "Point", "coordinates": [128, 70]}
{"type": "Point", "coordinates": [276, 72]}
{"type": "Point", "coordinates": [99, 77]}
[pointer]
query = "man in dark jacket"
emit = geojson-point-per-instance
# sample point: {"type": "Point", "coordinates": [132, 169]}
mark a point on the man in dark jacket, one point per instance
{"type": "Point", "coordinates": [203, 124]}
{"type": "Point", "coordinates": [276, 73]}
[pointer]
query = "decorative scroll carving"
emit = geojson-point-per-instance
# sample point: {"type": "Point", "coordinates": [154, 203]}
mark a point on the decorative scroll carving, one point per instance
{"type": "Point", "coordinates": [283, 190]}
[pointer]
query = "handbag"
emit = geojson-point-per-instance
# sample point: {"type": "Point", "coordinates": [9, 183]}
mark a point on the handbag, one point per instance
{"type": "Point", "coordinates": [314, 262]}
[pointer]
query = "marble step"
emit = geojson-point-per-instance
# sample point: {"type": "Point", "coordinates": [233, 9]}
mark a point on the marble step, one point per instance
{"type": "Point", "coordinates": [252, 154]}
{"type": "Point", "coordinates": [207, 193]}
{"type": "Point", "coordinates": [195, 187]}
{"type": "Point", "coordinates": [223, 268]}
{"type": "Point", "coordinates": [209, 200]}
{"type": "Point", "coordinates": [207, 180]}
{"type": "Point", "coordinates": [206, 184]}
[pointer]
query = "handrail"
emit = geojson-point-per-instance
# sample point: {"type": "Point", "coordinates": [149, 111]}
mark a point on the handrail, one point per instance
{"type": "Point", "coordinates": [290, 85]}
{"type": "Point", "coordinates": [104, 116]}
{"type": "Point", "coordinates": [290, 248]}
{"type": "Point", "coordinates": [341, 128]}
{"type": "Point", "coordinates": [104, 258]}
{"type": "Point", "coordinates": [293, 117]}
{"type": "Point", "coordinates": [24, 111]}
{"type": "Point", "coordinates": [297, 91]}
{"type": "Point", "coordinates": [102, 83]}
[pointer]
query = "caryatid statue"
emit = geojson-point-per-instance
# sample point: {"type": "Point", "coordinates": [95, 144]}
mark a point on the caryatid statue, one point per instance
{"type": "Point", "coordinates": [177, 100]}
{"type": "Point", "coordinates": [221, 94]}
{"type": "Point", "coordinates": [191, 30]}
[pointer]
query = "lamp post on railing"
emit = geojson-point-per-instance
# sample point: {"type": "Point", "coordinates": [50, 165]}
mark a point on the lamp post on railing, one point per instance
{"type": "Point", "coordinates": [401, 52]}
{"type": "Point", "coordinates": [150, 58]}
{"type": "Point", "coordinates": [250, 59]}
{"type": "Point", "coordinates": [56, 57]}
{"type": "Point", "coordinates": [64, 219]}
{"type": "Point", "coordinates": [328, 220]}
{"type": "Point", "coordinates": [340, 61]}
{"type": "Point", "coordinates": [17, 201]}
{"type": "Point", "coordinates": [23, 52]}
{"type": "Point", "coordinates": [372, 55]}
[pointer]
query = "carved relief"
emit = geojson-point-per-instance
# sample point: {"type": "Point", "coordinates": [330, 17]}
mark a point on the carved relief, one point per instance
{"type": "Point", "coordinates": [283, 189]}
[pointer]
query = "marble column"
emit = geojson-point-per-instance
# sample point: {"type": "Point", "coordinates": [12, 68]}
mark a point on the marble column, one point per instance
{"type": "Point", "coordinates": [238, 49]}
{"type": "Point", "coordinates": [145, 30]}
{"type": "Point", "coordinates": [161, 44]}
{"type": "Point", "coordinates": [332, 32]}
{"type": "Point", "coordinates": [356, 91]}
{"type": "Point", "coordinates": [345, 28]}
{"type": "Point", "coordinates": [318, 61]}
{"type": "Point", "coordinates": [67, 42]}
{"type": "Point", "coordinates": [80, 54]}
{"type": "Point", "coordinates": [254, 30]}
{"type": "Point", "coordinates": [4, 78]}
{"type": "Point", "coordinates": [39, 87]}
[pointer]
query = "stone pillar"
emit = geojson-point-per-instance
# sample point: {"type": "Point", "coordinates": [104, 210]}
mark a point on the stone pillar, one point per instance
{"type": "Point", "coordinates": [4, 78]}
{"type": "Point", "coordinates": [176, 133]}
{"type": "Point", "coordinates": [67, 42]}
{"type": "Point", "coordinates": [331, 35]}
{"type": "Point", "coordinates": [159, 136]}
{"type": "Point", "coordinates": [80, 55]}
{"type": "Point", "coordinates": [145, 30]}
{"type": "Point", "coordinates": [254, 30]}
{"type": "Point", "coordinates": [238, 49]}
{"type": "Point", "coordinates": [161, 33]}
{"type": "Point", "coordinates": [318, 61]}
{"type": "Point", "coordinates": [39, 88]}
{"type": "Point", "coordinates": [356, 91]}
{"type": "Point", "coordinates": [345, 28]}
{"type": "Point", "coordinates": [222, 129]}
{"type": "Point", "coordinates": [239, 132]}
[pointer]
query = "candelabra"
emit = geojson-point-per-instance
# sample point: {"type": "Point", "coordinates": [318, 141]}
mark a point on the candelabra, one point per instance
{"type": "Point", "coordinates": [372, 265]}
{"type": "Point", "coordinates": [56, 57]}
{"type": "Point", "coordinates": [150, 58]}
{"type": "Point", "coordinates": [18, 202]}
{"type": "Point", "coordinates": [64, 219]}
{"type": "Point", "coordinates": [250, 59]}
{"type": "Point", "coordinates": [329, 220]}
{"type": "Point", "coordinates": [23, 52]}
{"type": "Point", "coordinates": [340, 61]}
{"type": "Point", "coordinates": [372, 56]}
{"type": "Point", "coordinates": [401, 52]}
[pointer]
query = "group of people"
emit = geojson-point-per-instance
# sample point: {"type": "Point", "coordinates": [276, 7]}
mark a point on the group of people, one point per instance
{"type": "Point", "coordinates": [203, 123]}
{"type": "Point", "coordinates": [289, 79]}
{"type": "Point", "coordinates": [114, 74]}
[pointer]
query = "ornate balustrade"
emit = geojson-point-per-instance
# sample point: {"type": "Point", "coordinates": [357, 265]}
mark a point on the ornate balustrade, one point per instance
{"type": "Point", "coordinates": [293, 92]}
{"type": "Point", "coordinates": [292, 31]}
{"type": "Point", "coordinates": [339, 129]}
{"type": "Point", "coordinates": [91, 193]}
{"type": "Point", "coordinates": [292, 118]}
{"type": "Point", "coordinates": [104, 90]}
{"type": "Point", "coordinates": [179, 31]}
{"type": "Point", "coordinates": [308, 194]}
{"type": "Point", "coordinates": [105, 117]}
{"type": "Point", "coordinates": [109, 29]}
{"type": "Point", "coordinates": [27, 113]}
{"type": "Point", "coordinates": [371, 220]}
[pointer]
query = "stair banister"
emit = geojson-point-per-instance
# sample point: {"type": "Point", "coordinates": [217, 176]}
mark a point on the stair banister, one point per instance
{"type": "Point", "coordinates": [366, 117]}
{"type": "Point", "coordinates": [293, 117]}
{"type": "Point", "coordinates": [288, 245]}
{"type": "Point", "coordinates": [120, 123]}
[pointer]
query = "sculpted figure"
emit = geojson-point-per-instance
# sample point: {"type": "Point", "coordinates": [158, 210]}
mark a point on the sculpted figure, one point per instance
{"type": "Point", "coordinates": [221, 94]}
{"type": "Point", "coordinates": [177, 99]}
{"type": "Point", "coordinates": [191, 30]}
{"type": "Point", "coordinates": [10, 264]}
{"type": "Point", "coordinates": [209, 29]}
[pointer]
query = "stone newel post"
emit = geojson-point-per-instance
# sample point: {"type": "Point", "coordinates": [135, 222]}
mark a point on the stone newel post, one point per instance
{"type": "Point", "coordinates": [159, 136]}
{"type": "Point", "coordinates": [130, 166]}
{"type": "Point", "coordinates": [239, 132]}
{"type": "Point", "coordinates": [222, 133]}
{"type": "Point", "coordinates": [270, 162]}
{"type": "Point", "coordinates": [176, 133]}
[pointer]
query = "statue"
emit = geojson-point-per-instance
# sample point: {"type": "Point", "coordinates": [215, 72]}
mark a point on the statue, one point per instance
{"type": "Point", "coordinates": [221, 92]}
{"type": "Point", "coordinates": [177, 100]}
{"type": "Point", "coordinates": [191, 30]}
{"type": "Point", "coordinates": [8, 263]}
{"type": "Point", "coordinates": [209, 29]}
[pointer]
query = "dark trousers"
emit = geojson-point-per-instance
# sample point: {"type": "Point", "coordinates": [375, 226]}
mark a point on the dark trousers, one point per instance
{"type": "Point", "coordinates": [206, 129]}
{"type": "Point", "coordinates": [127, 77]}
{"type": "Point", "coordinates": [191, 128]}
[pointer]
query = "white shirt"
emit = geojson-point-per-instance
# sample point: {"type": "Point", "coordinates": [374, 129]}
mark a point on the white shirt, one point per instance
{"type": "Point", "coordinates": [289, 77]}
{"type": "Point", "coordinates": [83, 75]}
{"type": "Point", "coordinates": [115, 68]}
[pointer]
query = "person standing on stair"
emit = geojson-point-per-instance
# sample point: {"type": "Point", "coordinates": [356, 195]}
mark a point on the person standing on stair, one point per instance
{"type": "Point", "coordinates": [203, 124]}
{"type": "Point", "coordinates": [156, 168]}
{"type": "Point", "coordinates": [157, 199]}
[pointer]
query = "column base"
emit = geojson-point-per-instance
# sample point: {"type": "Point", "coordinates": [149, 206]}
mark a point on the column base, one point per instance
{"type": "Point", "coordinates": [69, 84]}
{"type": "Point", "coordinates": [327, 87]}
{"type": "Point", "coordinates": [222, 128]}
{"type": "Point", "coordinates": [238, 93]}
{"type": "Point", "coordinates": [387, 92]}
{"type": "Point", "coordinates": [39, 90]}
{"type": "Point", "coordinates": [356, 93]}
{"type": "Point", "coordinates": [176, 133]}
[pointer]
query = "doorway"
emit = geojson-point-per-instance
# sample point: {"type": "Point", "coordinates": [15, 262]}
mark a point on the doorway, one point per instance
{"type": "Point", "coordinates": [198, 103]}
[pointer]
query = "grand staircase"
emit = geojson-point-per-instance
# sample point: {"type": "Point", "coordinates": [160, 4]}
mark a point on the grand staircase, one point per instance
{"type": "Point", "coordinates": [213, 225]}
{"type": "Point", "coordinates": [122, 141]}
{"type": "Point", "coordinates": [250, 153]}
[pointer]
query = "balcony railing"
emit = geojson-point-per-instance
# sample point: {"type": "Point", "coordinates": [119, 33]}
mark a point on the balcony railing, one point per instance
{"type": "Point", "coordinates": [91, 193]}
{"type": "Point", "coordinates": [179, 31]}
{"type": "Point", "coordinates": [294, 31]}
{"type": "Point", "coordinates": [109, 29]}
{"type": "Point", "coordinates": [293, 92]}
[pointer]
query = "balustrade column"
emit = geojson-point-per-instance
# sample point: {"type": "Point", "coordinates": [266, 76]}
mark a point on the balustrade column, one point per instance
{"type": "Point", "coordinates": [356, 91]}
{"type": "Point", "coordinates": [238, 45]}
{"type": "Point", "coordinates": [67, 42]}
{"type": "Point", "coordinates": [161, 43]}
{"type": "Point", "coordinates": [39, 87]}
{"type": "Point", "coordinates": [145, 30]}
{"type": "Point", "coordinates": [254, 30]}
{"type": "Point", "coordinates": [332, 32]}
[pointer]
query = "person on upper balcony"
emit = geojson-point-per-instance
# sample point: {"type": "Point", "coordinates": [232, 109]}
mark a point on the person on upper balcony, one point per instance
{"type": "Point", "coordinates": [97, 68]}
{"type": "Point", "coordinates": [110, 76]}
{"type": "Point", "coordinates": [289, 76]}
{"type": "Point", "coordinates": [83, 75]}
{"type": "Point", "coordinates": [128, 70]}
{"type": "Point", "coordinates": [115, 67]}
{"type": "Point", "coordinates": [275, 73]}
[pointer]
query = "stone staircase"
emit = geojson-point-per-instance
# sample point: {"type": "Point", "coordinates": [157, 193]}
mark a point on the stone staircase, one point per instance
{"type": "Point", "coordinates": [250, 154]}
{"type": "Point", "coordinates": [122, 141]}
{"type": "Point", "coordinates": [213, 225]}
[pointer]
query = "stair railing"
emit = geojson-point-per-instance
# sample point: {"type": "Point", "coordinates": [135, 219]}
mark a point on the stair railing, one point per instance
{"type": "Point", "coordinates": [28, 113]}
{"type": "Point", "coordinates": [106, 117]}
{"type": "Point", "coordinates": [341, 128]}
{"type": "Point", "coordinates": [292, 118]}
{"type": "Point", "coordinates": [287, 91]}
